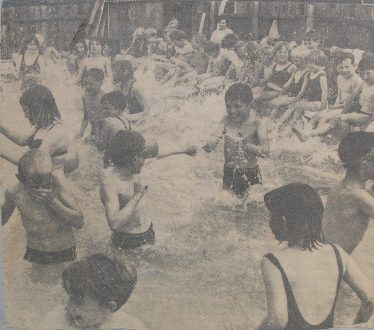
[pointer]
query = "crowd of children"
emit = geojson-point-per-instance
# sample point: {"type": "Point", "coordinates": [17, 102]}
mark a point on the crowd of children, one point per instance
{"type": "Point", "coordinates": [270, 86]}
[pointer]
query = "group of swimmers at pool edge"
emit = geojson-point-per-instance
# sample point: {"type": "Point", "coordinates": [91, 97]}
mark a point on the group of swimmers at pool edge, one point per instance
{"type": "Point", "coordinates": [98, 286]}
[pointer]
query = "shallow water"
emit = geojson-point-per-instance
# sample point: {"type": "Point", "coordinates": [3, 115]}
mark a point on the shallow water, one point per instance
{"type": "Point", "coordinates": [203, 272]}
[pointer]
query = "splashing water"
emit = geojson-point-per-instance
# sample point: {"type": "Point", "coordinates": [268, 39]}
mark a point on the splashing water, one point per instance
{"type": "Point", "coordinates": [203, 272]}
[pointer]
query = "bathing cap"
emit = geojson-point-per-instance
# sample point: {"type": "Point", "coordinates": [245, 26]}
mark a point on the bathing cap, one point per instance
{"type": "Point", "coordinates": [354, 146]}
{"type": "Point", "coordinates": [294, 198]}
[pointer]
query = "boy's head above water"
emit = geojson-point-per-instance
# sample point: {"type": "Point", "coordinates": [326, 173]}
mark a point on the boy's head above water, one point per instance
{"type": "Point", "coordinates": [345, 64]}
{"type": "Point", "coordinates": [97, 287]}
{"type": "Point", "coordinates": [238, 99]}
{"type": "Point", "coordinates": [212, 48]}
{"type": "Point", "coordinates": [296, 212]}
{"type": "Point", "coordinates": [312, 39]}
{"type": "Point", "coordinates": [93, 80]}
{"type": "Point", "coordinates": [113, 103]}
{"type": "Point", "coordinates": [126, 151]}
{"type": "Point", "coordinates": [35, 170]}
{"type": "Point", "coordinates": [366, 68]}
{"type": "Point", "coordinates": [356, 151]}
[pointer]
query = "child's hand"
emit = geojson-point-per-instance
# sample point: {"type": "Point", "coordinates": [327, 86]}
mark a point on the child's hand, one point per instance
{"type": "Point", "coordinates": [139, 188]}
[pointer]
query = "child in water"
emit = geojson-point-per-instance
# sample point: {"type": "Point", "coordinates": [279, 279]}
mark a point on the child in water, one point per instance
{"type": "Point", "coordinates": [296, 269]}
{"type": "Point", "coordinates": [121, 193]}
{"type": "Point", "coordinates": [245, 139]}
{"type": "Point", "coordinates": [98, 288]}
{"type": "Point", "coordinates": [92, 109]}
{"type": "Point", "coordinates": [350, 205]}
{"type": "Point", "coordinates": [49, 212]}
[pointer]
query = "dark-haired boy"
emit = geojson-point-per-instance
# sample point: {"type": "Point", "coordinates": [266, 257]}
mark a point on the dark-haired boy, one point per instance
{"type": "Point", "coordinates": [245, 139]}
{"type": "Point", "coordinates": [49, 212]}
{"type": "Point", "coordinates": [98, 288]}
{"type": "Point", "coordinates": [350, 206]}
{"type": "Point", "coordinates": [92, 110]}
{"type": "Point", "coordinates": [113, 105]}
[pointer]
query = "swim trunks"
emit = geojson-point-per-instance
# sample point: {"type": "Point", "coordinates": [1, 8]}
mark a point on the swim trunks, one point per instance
{"type": "Point", "coordinates": [50, 258]}
{"type": "Point", "coordinates": [126, 241]}
{"type": "Point", "coordinates": [239, 179]}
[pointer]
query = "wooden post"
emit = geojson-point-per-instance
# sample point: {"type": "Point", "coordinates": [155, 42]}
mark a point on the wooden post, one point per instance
{"type": "Point", "coordinates": [309, 17]}
{"type": "Point", "coordinates": [255, 19]}
{"type": "Point", "coordinates": [212, 17]}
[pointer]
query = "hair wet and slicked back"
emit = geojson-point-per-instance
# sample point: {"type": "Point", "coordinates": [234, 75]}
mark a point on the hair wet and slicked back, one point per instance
{"type": "Point", "coordinates": [239, 91]}
{"type": "Point", "coordinates": [101, 278]}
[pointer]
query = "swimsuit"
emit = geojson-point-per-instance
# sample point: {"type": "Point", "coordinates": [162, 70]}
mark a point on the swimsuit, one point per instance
{"type": "Point", "coordinates": [313, 91]}
{"type": "Point", "coordinates": [126, 241]}
{"type": "Point", "coordinates": [295, 319]}
{"type": "Point", "coordinates": [49, 258]}
{"type": "Point", "coordinates": [239, 179]}
{"type": "Point", "coordinates": [30, 73]}
{"type": "Point", "coordinates": [280, 78]}
{"type": "Point", "coordinates": [295, 87]}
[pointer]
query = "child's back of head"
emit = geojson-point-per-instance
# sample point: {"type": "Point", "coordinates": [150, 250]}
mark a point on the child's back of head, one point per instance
{"type": "Point", "coordinates": [239, 91]}
{"type": "Point", "coordinates": [102, 279]}
{"type": "Point", "coordinates": [115, 99]}
{"type": "Point", "coordinates": [212, 48]}
{"type": "Point", "coordinates": [317, 57]}
{"type": "Point", "coordinates": [95, 73]}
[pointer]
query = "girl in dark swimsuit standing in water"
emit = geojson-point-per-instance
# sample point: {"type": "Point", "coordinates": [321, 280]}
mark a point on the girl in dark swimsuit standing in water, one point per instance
{"type": "Point", "coordinates": [303, 278]}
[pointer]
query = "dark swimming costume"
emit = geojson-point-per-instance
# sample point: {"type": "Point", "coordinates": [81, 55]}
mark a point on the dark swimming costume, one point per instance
{"type": "Point", "coordinates": [50, 258]}
{"type": "Point", "coordinates": [295, 319]}
{"type": "Point", "coordinates": [280, 78]}
{"type": "Point", "coordinates": [295, 87]}
{"type": "Point", "coordinates": [239, 179]}
{"type": "Point", "coordinates": [126, 241]}
{"type": "Point", "coordinates": [132, 102]}
{"type": "Point", "coordinates": [33, 69]}
{"type": "Point", "coordinates": [313, 91]}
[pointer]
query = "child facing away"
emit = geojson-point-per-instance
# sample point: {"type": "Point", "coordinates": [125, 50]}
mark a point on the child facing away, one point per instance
{"type": "Point", "coordinates": [98, 288]}
{"type": "Point", "coordinates": [92, 110]}
{"type": "Point", "coordinates": [121, 193]}
{"type": "Point", "coordinates": [350, 206]}
{"type": "Point", "coordinates": [49, 213]}
{"type": "Point", "coordinates": [245, 139]}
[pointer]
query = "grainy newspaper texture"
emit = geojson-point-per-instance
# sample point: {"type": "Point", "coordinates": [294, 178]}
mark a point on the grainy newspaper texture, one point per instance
{"type": "Point", "coordinates": [187, 164]}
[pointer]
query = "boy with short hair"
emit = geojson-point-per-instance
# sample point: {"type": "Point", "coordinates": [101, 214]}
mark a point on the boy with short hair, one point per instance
{"type": "Point", "coordinates": [92, 110]}
{"type": "Point", "coordinates": [245, 139]}
{"type": "Point", "coordinates": [350, 206]}
{"type": "Point", "coordinates": [312, 40]}
{"type": "Point", "coordinates": [183, 48]}
{"type": "Point", "coordinates": [114, 105]}
{"type": "Point", "coordinates": [98, 288]}
{"type": "Point", "coordinates": [49, 212]}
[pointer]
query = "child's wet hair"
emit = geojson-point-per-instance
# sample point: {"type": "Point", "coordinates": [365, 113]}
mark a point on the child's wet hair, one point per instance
{"type": "Point", "coordinates": [296, 212]}
{"type": "Point", "coordinates": [312, 35]}
{"type": "Point", "coordinates": [177, 35]}
{"type": "Point", "coordinates": [354, 146]}
{"type": "Point", "coordinates": [229, 41]}
{"type": "Point", "coordinates": [40, 105]}
{"type": "Point", "coordinates": [95, 73]}
{"type": "Point", "coordinates": [199, 39]}
{"type": "Point", "coordinates": [212, 47]}
{"type": "Point", "coordinates": [30, 160]}
{"type": "Point", "coordinates": [29, 41]}
{"type": "Point", "coordinates": [342, 56]}
{"type": "Point", "coordinates": [116, 99]}
{"type": "Point", "coordinates": [101, 278]}
{"type": "Point", "coordinates": [123, 71]}
{"type": "Point", "coordinates": [317, 57]}
{"type": "Point", "coordinates": [98, 40]}
{"type": "Point", "coordinates": [76, 42]}
{"type": "Point", "coordinates": [125, 145]}
{"type": "Point", "coordinates": [367, 62]}
{"type": "Point", "coordinates": [239, 91]}
{"type": "Point", "coordinates": [222, 18]}
{"type": "Point", "coordinates": [282, 44]}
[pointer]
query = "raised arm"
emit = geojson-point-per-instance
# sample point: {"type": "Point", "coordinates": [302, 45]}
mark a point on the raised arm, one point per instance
{"type": "Point", "coordinates": [116, 216]}
{"type": "Point", "coordinates": [277, 316]}
{"type": "Point", "coordinates": [20, 137]}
